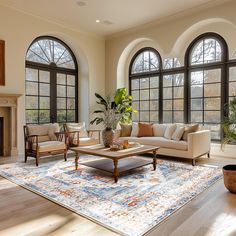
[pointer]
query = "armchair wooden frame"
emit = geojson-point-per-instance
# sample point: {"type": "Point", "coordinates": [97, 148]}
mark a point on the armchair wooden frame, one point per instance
{"type": "Point", "coordinates": [30, 140]}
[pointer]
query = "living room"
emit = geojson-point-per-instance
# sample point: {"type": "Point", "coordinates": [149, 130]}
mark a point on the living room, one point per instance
{"type": "Point", "coordinates": [178, 62]}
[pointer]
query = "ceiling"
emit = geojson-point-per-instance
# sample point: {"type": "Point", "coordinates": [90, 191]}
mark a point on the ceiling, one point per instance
{"type": "Point", "coordinates": [114, 15]}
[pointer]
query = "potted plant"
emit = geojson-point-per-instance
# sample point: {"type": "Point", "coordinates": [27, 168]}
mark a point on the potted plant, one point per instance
{"type": "Point", "coordinates": [229, 128]}
{"type": "Point", "coordinates": [113, 111]}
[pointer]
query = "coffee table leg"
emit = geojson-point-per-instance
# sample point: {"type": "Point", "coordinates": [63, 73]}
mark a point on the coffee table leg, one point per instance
{"type": "Point", "coordinates": [154, 159]}
{"type": "Point", "coordinates": [116, 172]}
{"type": "Point", "coordinates": [76, 160]}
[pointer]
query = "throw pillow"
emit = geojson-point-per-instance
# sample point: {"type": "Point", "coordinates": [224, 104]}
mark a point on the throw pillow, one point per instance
{"type": "Point", "coordinates": [145, 130]}
{"type": "Point", "coordinates": [51, 131]}
{"type": "Point", "coordinates": [71, 127]}
{"type": "Point", "coordinates": [170, 129]}
{"type": "Point", "coordinates": [190, 129]}
{"type": "Point", "coordinates": [159, 130]}
{"type": "Point", "coordinates": [126, 130]}
{"type": "Point", "coordinates": [134, 132]}
{"type": "Point", "coordinates": [177, 135]}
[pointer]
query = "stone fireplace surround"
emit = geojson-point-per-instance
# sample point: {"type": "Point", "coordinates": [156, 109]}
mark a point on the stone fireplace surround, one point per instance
{"type": "Point", "coordinates": [8, 110]}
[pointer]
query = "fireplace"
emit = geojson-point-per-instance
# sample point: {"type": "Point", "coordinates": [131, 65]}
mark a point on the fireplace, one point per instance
{"type": "Point", "coordinates": [8, 124]}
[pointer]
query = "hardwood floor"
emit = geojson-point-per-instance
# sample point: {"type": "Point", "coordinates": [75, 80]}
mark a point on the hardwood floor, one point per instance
{"type": "Point", "coordinates": [24, 213]}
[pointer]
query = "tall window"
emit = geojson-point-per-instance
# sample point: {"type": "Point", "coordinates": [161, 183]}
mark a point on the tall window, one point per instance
{"type": "Point", "coordinates": [173, 98]}
{"type": "Point", "coordinates": [144, 84]}
{"type": "Point", "coordinates": [206, 60]}
{"type": "Point", "coordinates": [194, 93]}
{"type": "Point", "coordinates": [51, 82]}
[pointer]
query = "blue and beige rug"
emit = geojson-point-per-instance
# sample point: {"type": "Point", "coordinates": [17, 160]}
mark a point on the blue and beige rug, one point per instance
{"type": "Point", "coordinates": [140, 200]}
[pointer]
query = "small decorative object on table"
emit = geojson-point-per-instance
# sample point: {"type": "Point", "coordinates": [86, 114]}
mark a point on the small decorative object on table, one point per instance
{"type": "Point", "coordinates": [126, 144]}
{"type": "Point", "coordinates": [229, 172]}
{"type": "Point", "coordinates": [114, 147]}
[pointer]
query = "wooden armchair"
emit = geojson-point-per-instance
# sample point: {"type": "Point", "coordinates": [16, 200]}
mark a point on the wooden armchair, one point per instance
{"type": "Point", "coordinates": [44, 140]}
{"type": "Point", "coordinates": [77, 135]}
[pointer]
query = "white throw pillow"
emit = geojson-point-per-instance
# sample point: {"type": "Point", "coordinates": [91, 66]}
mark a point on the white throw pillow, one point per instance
{"type": "Point", "coordinates": [135, 129]}
{"type": "Point", "coordinates": [159, 130]}
{"type": "Point", "coordinates": [71, 127]}
{"type": "Point", "coordinates": [177, 135]}
{"type": "Point", "coordinates": [51, 131]}
{"type": "Point", "coordinates": [170, 129]}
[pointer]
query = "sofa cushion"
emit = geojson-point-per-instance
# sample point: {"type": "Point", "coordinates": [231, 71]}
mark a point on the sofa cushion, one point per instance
{"type": "Point", "coordinates": [190, 129]}
{"type": "Point", "coordinates": [50, 146]}
{"type": "Point", "coordinates": [170, 129]}
{"type": "Point", "coordinates": [126, 130]}
{"type": "Point", "coordinates": [71, 127]}
{"type": "Point", "coordinates": [135, 129]}
{"type": "Point", "coordinates": [177, 135]}
{"type": "Point", "coordinates": [159, 141]}
{"type": "Point", "coordinates": [159, 130]}
{"type": "Point", "coordinates": [145, 130]}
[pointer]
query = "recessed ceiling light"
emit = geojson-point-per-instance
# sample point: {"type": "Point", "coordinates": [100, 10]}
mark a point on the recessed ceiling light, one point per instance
{"type": "Point", "coordinates": [81, 3]}
{"type": "Point", "coordinates": [97, 21]}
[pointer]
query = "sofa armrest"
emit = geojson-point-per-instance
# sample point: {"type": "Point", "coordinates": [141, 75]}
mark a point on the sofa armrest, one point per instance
{"type": "Point", "coordinates": [117, 134]}
{"type": "Point", "coordinates": [199, 143]}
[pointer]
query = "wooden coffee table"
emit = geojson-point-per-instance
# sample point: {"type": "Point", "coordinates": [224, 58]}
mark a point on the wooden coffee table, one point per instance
{"type": "Point", "coordinates": [123, 160]}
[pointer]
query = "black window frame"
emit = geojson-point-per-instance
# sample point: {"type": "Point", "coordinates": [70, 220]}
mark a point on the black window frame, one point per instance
{"type": "Point", "coordinates": [54, 70]}
{"type": "Point", "coordinates": [208, 66]}
{"type": "Point", "coordinates": [224, 65]}
{"type": "Point", "coordinates": [146, 74]}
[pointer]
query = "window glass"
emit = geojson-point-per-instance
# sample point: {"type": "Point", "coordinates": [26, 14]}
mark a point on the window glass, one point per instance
{"type": "Point", "coordinates": [50, 82]}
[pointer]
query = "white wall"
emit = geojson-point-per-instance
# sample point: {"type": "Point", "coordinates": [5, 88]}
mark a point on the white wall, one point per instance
{"type": "Point", "coordinates": [170, 38]}
{"type": "Point", "coordinates": [19, 30]}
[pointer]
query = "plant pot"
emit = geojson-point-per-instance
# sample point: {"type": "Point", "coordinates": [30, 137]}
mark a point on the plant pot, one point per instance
{"type": "Point", "coordinates": [108, 137]}
{"type": "Point", "coordinates": [229, 172]}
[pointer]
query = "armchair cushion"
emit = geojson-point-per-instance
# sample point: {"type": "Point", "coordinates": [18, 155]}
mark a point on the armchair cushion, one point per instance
{"type": "Point", "coordinates": [50, 146]}
{"type": "Point", "coordinates": [86, 141]}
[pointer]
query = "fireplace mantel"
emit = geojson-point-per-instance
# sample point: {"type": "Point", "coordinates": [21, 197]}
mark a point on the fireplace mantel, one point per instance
{"type": "Point", "coordinates": [9, 102]}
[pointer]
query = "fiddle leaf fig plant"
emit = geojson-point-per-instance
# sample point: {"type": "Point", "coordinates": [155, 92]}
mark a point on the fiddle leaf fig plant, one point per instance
{"type": "Point", "coordinates": [113, 111]}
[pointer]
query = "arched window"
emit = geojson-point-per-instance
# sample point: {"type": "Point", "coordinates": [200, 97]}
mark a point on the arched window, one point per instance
{"type": "Point", "coordinates": [51, 82]}
{"type": "Point", "coordinates": [144, 84]}
{"type": "Point", "coordinates": [206, 62]}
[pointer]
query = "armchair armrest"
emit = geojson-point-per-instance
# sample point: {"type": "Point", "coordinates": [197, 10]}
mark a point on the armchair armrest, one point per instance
{"type": "Point", "coordinates": [70, 136]}
{"type": "Point", "coordinates": [30, 140]}
{"type": "Point", "coordinates": [91, 131]}
{"type": "Point", "coordinates": [60, 135]}
{"type": "Point", "coordinates": [199, 142]}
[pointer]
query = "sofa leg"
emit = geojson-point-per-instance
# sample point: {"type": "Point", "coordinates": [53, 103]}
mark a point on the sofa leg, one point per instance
{"type": "Point", "coordinates": [208, 154]}
{"type": "Point", "coordinates": [25, 158]}
{"type": "Point", "coordinates": [65, 154]}
{"type": "Point", "coordinates": [193, 162]}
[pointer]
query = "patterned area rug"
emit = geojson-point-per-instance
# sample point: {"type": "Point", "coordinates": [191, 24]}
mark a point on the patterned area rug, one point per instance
{"type": "Point", "coordinates": [140, 200]}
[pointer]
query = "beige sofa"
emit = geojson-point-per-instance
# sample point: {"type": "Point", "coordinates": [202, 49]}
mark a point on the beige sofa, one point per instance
{"type": "Point", "coordinates": [196, 145]}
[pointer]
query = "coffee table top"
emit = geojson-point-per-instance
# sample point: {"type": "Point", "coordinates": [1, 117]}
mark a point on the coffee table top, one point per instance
{"type": "Point", "coordinates": [100, 150]}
